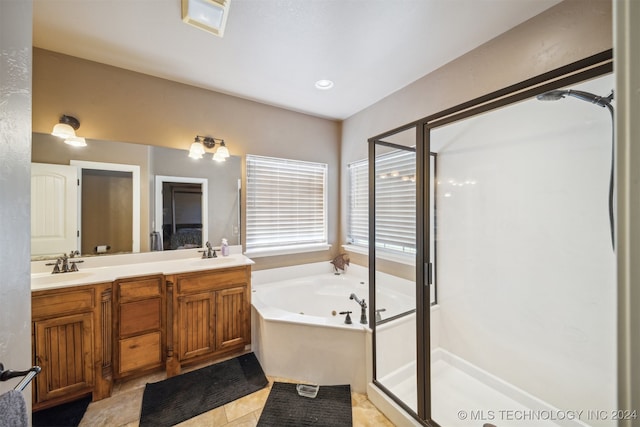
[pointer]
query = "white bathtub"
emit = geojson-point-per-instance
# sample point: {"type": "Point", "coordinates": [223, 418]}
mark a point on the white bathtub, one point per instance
{"type": "Point", "coordinates": [297, 331]}
{"type": "Point", "coordinates": [313, 300]}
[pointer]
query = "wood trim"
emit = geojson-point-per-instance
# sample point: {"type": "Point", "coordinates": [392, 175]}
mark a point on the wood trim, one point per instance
{"type": "Point", "coordinates": [172, 363]}
{"type": "Point", "coordinates": [104, 340]}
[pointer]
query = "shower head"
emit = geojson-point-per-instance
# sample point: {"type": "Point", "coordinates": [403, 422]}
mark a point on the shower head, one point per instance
{"type": "Point", "coordinates": [555, 95]}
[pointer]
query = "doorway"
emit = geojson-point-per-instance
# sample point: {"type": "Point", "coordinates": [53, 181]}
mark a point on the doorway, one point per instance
{"type": "Point", "coordinates": [181, 213]}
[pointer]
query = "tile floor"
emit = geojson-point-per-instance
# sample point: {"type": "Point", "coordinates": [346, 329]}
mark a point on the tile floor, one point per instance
{"type": "Point", "coordinates": [123, 408]}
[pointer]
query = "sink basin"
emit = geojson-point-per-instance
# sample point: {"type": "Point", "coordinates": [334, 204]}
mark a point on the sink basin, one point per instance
{"type": "Point", "coordinates": [212, 261]}
{"type": "Point", "coordinates": [50, 279]}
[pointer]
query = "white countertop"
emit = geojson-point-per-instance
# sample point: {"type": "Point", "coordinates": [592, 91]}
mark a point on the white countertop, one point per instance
{"type": "Point", "coordinates": [96, 273]}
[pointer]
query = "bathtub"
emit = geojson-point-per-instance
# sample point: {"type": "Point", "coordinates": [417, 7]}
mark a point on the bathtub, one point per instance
{"type": "Point", "coordinates": [297, 331]}
{"type": "Point", "coordinates": [312, 300]}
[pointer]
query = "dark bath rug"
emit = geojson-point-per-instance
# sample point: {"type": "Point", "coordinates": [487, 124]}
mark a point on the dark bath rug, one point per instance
{"type": "Point", "coordinates": [66, 415]}
{"type": "Point", "coordinates": [179, 398]}
{"type": "Point", "coordinates": [285, 408]}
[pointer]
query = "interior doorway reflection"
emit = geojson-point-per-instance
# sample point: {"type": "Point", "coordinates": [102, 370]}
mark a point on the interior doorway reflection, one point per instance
{"type": "Point", "coordinates": [181, 215]}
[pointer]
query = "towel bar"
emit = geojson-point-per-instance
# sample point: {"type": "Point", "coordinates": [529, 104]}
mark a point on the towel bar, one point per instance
{"type": "Point", "coordinates": [28, 376]}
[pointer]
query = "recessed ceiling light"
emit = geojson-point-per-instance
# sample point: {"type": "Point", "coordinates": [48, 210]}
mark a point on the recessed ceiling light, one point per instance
{"type": "Point", "coordinates": [324, 84]}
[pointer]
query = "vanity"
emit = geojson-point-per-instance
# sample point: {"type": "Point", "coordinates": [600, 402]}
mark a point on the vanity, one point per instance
{"type": "Point", "coordinates": [124, 316]}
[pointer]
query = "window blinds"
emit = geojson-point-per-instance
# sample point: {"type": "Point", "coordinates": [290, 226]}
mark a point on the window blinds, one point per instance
{"type": "Point", "coordinates": [395, 202]}
{"type": "Point", "coordinates": [286, 203]}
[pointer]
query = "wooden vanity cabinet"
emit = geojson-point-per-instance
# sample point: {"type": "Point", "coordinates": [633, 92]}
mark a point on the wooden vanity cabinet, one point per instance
{"type": "Point", "coordinates": [210, 313]}
{"type": "Point", "coordinates": [85, 337]}
{"type": "Point", "coordinates": [139, 323]}
{"type": "Point", "coordinates": [67, 338]}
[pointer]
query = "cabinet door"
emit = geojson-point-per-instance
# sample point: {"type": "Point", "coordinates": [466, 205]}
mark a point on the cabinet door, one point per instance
{"type": "Point", "coordinates": [232, 314]}
{"type": "Point", "coordinates": [196, 329]}
{"type": "Point", "coordinates": [64, 350]}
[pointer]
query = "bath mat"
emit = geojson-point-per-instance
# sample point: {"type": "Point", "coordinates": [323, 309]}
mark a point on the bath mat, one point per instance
{"type": "Point", "coordinates": [66, 415]}
{"type": "Point", "coordinates": [285, 408]}
{"type": "Point", "coordinates": [179, 398]}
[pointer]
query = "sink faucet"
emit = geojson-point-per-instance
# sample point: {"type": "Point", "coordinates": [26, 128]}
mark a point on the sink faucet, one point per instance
{"type": "Point", "coordinates": [363, 308]}
{"type": "Point", "coordinates": [62, 263]}
{"type": "Point", "coordinates": [209, 252]}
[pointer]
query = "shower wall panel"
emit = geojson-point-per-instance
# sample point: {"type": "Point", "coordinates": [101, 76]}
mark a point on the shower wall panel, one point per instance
{"type": "Point", "coordinates": [526, 270]}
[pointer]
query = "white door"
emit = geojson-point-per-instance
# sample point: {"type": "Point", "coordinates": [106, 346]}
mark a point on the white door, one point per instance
{"type": "Point", "coordinates": [54, 209]}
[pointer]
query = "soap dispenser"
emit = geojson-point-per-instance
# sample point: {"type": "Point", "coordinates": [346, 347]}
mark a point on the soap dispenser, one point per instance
{"type": "Point", "coordinates": [224, 247]}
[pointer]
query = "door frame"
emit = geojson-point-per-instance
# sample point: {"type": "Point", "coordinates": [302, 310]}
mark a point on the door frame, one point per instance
{"type": "Point", "coordinates": [117, 167]}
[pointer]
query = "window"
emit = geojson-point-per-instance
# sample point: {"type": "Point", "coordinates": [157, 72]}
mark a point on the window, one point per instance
{"type": "Point", "coordinates": [358, 215]}
{"type": "Point", "coordinates": [395, 202]}
{"type": "Point", "coordinates": [286, 205]}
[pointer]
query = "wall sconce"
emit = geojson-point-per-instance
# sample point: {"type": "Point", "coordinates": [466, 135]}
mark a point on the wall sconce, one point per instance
{"type": "Point", "coordinates": [196, 151]}
{"type": "Point", "coordinates": [66, 129]}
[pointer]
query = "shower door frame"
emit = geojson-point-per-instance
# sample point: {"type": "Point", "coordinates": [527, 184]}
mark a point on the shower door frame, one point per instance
{"type": "Point", "coordinates": [576, 72]}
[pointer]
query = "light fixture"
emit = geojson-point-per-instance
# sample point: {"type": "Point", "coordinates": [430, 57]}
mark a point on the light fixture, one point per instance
{"type": "Point", "coordinates": [76, 141]}
{"type": "Point", "coordinates": [66, 127]}
{"type": "Point", "coordinates": [324, 84]}
{"type": "Point", "coordinates": [197, 149]}
{"type": "Point", "coordinates": [208, 15]}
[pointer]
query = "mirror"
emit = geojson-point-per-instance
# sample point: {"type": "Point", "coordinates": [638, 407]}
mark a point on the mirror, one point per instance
{"type": "Point", "coordinates": [181, 212]}
{"type": "Point", "coordinates": [223, 192]}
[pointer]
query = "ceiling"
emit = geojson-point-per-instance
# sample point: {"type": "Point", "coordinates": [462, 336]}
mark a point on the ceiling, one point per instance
{"type": "Point", "coordinates": [273, 51]}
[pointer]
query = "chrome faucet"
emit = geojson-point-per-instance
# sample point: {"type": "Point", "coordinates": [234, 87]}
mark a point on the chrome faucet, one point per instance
{"type": "Point", "coordinates": [363, 308]}
{"type": "Point", "coordinates": [210, 252]}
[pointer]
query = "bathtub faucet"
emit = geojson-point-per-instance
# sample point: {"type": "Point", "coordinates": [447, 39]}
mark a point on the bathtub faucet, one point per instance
{"type": "Point", "coordinates": [363, 308]}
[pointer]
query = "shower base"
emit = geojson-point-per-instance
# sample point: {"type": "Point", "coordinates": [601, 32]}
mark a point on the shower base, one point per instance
{"type": "Point", "coordinates": [465, 395]}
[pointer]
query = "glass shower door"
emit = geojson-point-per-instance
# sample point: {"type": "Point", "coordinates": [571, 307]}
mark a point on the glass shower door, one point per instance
{"type": "Point", "coordinates": [393, 211]}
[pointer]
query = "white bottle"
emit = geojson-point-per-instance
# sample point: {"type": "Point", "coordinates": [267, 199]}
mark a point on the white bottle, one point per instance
{"type": "Point", "coordinates": [224, 248]}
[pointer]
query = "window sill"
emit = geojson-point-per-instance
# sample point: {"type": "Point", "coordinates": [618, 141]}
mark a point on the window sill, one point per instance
{"type": "Point", "coordinates": [388, 256]}
{"type": "Point", "coordinates": [286, 250]}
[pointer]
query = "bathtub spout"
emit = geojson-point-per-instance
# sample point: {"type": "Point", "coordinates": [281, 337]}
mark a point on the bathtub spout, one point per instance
{"type": "Point", "coordinates": [363, 308]}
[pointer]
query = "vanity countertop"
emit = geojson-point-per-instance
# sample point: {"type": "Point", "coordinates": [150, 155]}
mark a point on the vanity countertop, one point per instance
{"type": "Point", "coordinates": [109, 273]}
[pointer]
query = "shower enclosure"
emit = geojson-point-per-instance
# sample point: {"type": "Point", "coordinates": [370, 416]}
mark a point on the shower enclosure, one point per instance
{"type": "Point", "coordinates": [510, 276]}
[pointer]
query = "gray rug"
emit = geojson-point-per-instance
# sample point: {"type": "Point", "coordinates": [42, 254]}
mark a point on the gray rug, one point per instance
{"type": "Point", "coordinates": [285, 408]}
{"type": "Point", "coordinates": [179, 398]}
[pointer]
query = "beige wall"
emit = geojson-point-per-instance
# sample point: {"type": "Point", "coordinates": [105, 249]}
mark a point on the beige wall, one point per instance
{"type": "Point", "coordinates": [119, 105]}
{"type": "Point", "coordinates": [570, 31]}
{"type": "Point", "coordinates": [110, 193]}
{"type": "Point", "coordinates": [627, 66]}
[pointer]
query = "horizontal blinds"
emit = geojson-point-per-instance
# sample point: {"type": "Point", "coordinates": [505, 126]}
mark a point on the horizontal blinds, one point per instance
{"type": "Point", "coordinates": [358, 219]}
{"type": "Point", "coordinates": [395, 202]}
{"type": "Point", "coordinates": [286, 202]}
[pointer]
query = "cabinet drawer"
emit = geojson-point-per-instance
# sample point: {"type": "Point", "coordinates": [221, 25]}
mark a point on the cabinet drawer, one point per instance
{"type": "Point", "coordinates": [60, 302]}
{"type": "Point", "coordinates": [139, 288]}
{"type": "Point", "coordinates": [211, 280]}
{"type": "Point", "coordinates": [140, 316]}
{"type": "Point", "coordinates": [140, 352]}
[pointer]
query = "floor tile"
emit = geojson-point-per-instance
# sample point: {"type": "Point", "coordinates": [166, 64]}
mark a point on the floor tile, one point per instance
{"type": "Point", "coordinates": [246, 404]}
{"type": "Point", "coordinates": [118, 410]}
{"type": "Point", "coordinates": [122, 409]}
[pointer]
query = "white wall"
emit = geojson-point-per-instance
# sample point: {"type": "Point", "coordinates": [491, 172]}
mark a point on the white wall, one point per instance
{"type": "Point", "coordinates": [526, 270]}
{"type": "Point", "coordinates": [15, 182]}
